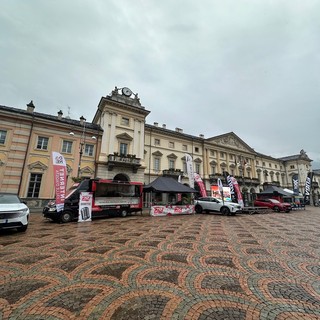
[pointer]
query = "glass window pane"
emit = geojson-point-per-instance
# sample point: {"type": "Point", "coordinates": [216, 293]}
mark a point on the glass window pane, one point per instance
{"type": "Point", "coordinates": [3, 135]}
{"type": "Point", "coordinates": [34, 185]}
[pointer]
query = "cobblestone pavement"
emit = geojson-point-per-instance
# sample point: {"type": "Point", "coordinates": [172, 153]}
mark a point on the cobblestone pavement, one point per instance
{"type": "Point", "coordinates": [263, 266]}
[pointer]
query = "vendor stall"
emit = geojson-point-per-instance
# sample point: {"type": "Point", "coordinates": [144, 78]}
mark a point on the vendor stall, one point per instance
{"type": "Point", "coordinates": [169, 197]}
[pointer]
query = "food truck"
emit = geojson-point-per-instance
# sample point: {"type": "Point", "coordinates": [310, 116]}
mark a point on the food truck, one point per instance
{"type": "Point", "coordinates": [109, 197]}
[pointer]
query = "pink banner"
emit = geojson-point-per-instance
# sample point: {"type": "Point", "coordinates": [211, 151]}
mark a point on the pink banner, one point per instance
{"type": "Point", "coordinates": [60, 177]}
{"type": "Point", "coordinates": [160, 211]}
{"type": "Point", "coordinates": [198, 179]}
{"type": "Point", "coordinates": [237, 190]}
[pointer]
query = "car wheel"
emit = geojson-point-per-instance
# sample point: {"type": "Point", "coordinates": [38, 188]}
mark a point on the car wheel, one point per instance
{"type": "Point", "coordinates": [198, 209]}
{"type": "Point", "coordinates": [276, 208]}
{"type": "Point", "coordinates": [123, 213]}
{"type": "Point", "coordinates": [66, 217]}
{"type": "Point", "coordinates": [225, 210]}
{"type": "Point", "coordinates": [23, 228]}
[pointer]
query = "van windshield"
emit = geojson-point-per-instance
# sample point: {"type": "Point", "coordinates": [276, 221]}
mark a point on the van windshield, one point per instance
{"type": "Point", "coordinates": [72, 189]}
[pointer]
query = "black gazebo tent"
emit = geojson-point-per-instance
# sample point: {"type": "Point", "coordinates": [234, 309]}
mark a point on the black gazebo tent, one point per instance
{"type": "Point", "coordinates": [166, 185]}
{"type": "Point", "coordinates": [277, 191]}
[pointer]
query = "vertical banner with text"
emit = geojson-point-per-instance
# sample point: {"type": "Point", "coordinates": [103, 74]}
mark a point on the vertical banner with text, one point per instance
{"type": "Point", "coordinates": [232, 191]}
{"type": "Point", "coordinates": [60, 179]}
{"type": "Point", "coordinates": [200, 183]}
{"type": "Point", "coordinates": [237, 190]}
{"type": "Point", "coordinates": [295, 184]}
{"type": "Point", "coordinates": [307, 188]}
{"type": "Point", "coordinates": [190, 171]}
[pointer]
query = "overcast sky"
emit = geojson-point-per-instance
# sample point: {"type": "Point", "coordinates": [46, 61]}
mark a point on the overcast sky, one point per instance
{"type": "Point", "coordinates": [206, 66]}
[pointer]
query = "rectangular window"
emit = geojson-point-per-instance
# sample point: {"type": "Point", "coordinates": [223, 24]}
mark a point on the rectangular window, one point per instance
{"type": "Point", "coordinates": [125, 121]}
{"type": "Point", "coordinates": [213, 170]}
{"type": "Point", "coordinates": [3, 135]}
{"type": "Point", "coordinates": [156, 164]}
{"type": "Point", "coordinates": [196, 149]}
{"type": "Point", "coordinates": [221, 154]}
{"type": "Point", "coordinates": [171, 144]}
{"type": "Point", "coordinates": [157, 142]}
{"type": "Point", "coordinates": [88, 150]}
{"type": "Point", "coordinates": [123, 149]}
{"type": "Point", "coordinates": [263, 164]}
{"type": "Point", "coordinates": [270, 165]}
{"type": "Point", "coordinates": [197, 168]}
{"type": "Point", "coordinates": [42, 143]}
{"type": "Point", "coordinates": [212, 153]}
{"type": "Point", "coordinates": [184, 167]}
{"type": "Point", "coordinates": [67, 146]}
{"type": "Point", "coordinates": [34, 185]}
{"type": "Point", "coordinates": [292, 166]}
{"type": "Point", "coordinates": [257, 163]}
{"type": "Point", "coordinates": [184, 147]}
{"type": "Point", "coordinates": [171, 164]}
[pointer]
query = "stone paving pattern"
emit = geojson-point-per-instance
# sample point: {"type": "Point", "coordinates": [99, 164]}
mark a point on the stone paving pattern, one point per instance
{"type": "Point", "coordinates": [263, 266]}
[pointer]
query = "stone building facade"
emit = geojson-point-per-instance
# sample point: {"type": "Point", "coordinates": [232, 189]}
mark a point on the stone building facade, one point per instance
{"type": "Point", "coordinates": [27, 139]}
{"type": "Point", "coordinates": [125, 147]}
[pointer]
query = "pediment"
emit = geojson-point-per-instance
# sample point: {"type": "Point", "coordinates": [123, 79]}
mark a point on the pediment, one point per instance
{"type": "Point", "coordinates": [87, 170]}
{"type": "Point", "coordinates": [172, 156]}
{"type": "Point", "coordinates": [38, 165]}
{"type": "Point", "coordinates": [124, 136]}
{"type": "Point", "coordinates": [231, 140]}
{"type": "Point", "coordinates": [157, 153]}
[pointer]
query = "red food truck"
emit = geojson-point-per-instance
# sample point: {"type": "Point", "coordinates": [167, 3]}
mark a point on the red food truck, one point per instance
{"type": "Point", "coordinates": [109, 197]}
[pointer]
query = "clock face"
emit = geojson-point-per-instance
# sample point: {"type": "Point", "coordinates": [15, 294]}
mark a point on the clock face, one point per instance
{"type": "Point", "coordinates": [126, 91]}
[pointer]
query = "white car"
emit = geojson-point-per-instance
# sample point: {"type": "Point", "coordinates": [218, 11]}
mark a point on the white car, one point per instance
{"type": "Point", "coordinates": [14, 213]}
{"type": "Point", "coordinates": [207, 204]}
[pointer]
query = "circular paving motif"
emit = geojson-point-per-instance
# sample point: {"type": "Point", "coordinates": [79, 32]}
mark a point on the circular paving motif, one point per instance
{"type": "Point", "coordinates": [199, 267]}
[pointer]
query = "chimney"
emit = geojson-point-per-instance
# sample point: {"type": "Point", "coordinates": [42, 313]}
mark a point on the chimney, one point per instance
{"type": "Point", "coordinates": [82, 120]}
{"type": "Point", "coordinates": [164, 126]}
{"type": "Point", "coordinates": [155, 124]}
{"type": "Point", "coordinates": [201, 135]}
{"type": "Point", "coordinates": [60, 113]}
{"type": "Point", "coordinates": [30, 107]}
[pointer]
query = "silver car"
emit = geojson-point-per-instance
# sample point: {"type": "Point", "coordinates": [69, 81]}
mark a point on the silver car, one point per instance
{"type": "Point", "coordinates": [208, 204]}
{"type": "Point", "coordinates": [14, 213]}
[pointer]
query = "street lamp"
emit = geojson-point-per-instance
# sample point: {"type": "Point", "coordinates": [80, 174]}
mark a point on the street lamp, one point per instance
{"type": "Point", "coordinates": [241, 166]}
{"type": "Point", "coordinates": [82, 142]}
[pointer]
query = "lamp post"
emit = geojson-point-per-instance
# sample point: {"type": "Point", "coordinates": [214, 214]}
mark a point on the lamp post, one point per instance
{"type": "Point", "coordinates": [82, 142]}
{"type": "Point", "coordinates": [241, 166]}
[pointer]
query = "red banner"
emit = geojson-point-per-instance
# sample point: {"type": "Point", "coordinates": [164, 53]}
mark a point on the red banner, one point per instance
{"type": "Point", "coordinates": [237, 190]}
{"type": "Point", "coordinates": [198, 179]}
{"type": "Point", "coordinates": [60, 177]}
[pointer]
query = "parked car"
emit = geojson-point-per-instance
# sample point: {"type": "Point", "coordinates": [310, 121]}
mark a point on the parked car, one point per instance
{"type": "Point", "coordinates": [274, 204]}
{"type": "Point", "coordinates": [208, 204]}
{"type": "Point", "coordinates": [14, 213]}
